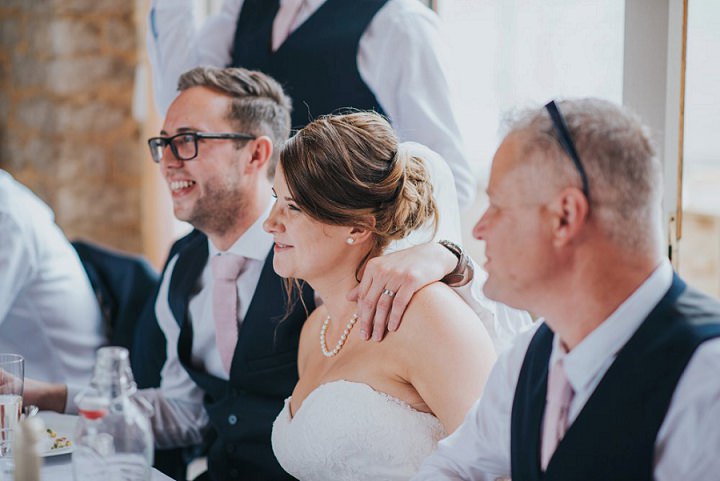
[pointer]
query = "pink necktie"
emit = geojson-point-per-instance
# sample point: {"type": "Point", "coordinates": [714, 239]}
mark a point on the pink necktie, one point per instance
{"type": "Point", "coordinates": [226, 269]}
{"type": "Point", "coordinates": [282, 25]}
{"type": "Point", "coordinates": [559, 396]}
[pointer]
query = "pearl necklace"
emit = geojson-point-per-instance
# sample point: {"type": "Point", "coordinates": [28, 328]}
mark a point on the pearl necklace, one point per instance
{"type": "Point", "coordinates": [341, 341]}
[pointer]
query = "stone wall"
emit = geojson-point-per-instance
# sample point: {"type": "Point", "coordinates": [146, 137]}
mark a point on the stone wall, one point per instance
{"type": "Point", "coordinates": [67, 74]}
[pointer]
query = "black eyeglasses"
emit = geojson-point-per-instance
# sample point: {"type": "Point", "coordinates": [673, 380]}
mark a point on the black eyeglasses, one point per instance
{"type": "Point", "coordinates": [184, 146]}
{"type": "Point", "coordinates": [565, 139]}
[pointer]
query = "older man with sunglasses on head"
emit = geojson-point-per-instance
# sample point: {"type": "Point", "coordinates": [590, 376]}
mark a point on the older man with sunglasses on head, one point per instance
{"type": "Point", "coordinates": [620, 380]}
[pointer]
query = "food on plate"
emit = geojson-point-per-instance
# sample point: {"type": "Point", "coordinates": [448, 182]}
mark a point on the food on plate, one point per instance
{"type": "Point", "coordinates": [58, 442]}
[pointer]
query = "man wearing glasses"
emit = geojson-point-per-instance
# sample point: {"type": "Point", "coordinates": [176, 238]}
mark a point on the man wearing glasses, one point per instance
{"type": "Point", "coordinates": [620, 380]}
{"type": "Point", "coordinates": [218, 146]}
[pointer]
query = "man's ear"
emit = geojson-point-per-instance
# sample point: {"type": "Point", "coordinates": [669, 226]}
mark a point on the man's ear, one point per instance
{"type": "Point", "coordinates": [569, 211]}
{"type": "Point", "coordinates": [262, 151]}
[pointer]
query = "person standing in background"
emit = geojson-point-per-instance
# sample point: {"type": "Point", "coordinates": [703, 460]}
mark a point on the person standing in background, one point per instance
{"type": "Point", "coordinates": [382, 55]}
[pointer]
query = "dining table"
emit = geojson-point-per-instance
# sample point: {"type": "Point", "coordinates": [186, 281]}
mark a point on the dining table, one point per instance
{"type": "Point", "coordinates": [57, 464]}
{"type": "Point", "coordinates": [59, 468]}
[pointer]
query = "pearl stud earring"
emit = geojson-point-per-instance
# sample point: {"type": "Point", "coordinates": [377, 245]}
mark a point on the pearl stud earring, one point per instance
{"type": "Point", "coordinates": [349, 241]}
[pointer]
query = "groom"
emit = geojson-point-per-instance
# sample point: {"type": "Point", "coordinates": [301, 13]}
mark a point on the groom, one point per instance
{"type": "Point", "coordinates": [620, 382]}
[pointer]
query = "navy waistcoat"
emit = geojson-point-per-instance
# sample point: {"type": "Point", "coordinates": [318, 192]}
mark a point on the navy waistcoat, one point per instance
{"type": "Point", "coordinates": [263, 372]}
{"type": "Point", "coordinates": [613, 436]}
{"type": "Point", "coordinates": [317, 63]}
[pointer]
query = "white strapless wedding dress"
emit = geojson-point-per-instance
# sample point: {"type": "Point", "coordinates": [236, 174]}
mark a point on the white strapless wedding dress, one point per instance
{"type": "Point", "coordinates": [348, 431]}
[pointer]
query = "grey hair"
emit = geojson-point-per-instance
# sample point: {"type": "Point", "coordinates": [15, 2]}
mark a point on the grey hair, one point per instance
{"type": "Point", "coordinates": [259, 105]}
{"type": "Point", "coordinates": [616, 149]}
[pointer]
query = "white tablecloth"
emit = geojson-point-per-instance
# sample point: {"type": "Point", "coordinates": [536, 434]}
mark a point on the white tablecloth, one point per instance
{"type": "Point", "coordinates": [59, 468]}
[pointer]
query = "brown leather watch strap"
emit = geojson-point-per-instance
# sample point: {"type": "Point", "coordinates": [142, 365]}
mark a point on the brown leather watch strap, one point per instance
{"type": "Point", "coordinates": [463, 272]}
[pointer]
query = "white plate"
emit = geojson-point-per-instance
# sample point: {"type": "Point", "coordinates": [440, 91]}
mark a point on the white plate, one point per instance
{"type": "Point", "coordinates": [63, 425]}
{"type": "Point", "coordinates": [58, 451]}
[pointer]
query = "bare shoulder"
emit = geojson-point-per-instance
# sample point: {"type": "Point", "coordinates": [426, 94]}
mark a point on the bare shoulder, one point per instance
{"type": "Point", "coordinates": [438, 302]}
{"type": "Point", "coordinates": [437, 313]}
{"type": "Point", "coordinates": [445, 352]}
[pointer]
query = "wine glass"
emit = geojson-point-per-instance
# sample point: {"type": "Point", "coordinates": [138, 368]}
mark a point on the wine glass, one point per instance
{"type": "Point", "coordinates": [12, 370]}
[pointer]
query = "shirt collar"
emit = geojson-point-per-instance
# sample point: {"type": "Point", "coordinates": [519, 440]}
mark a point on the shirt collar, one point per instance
{"type": "Point", "coordinates": [255, 243]}
{"type": "Point", "coordinates": [588, 358]}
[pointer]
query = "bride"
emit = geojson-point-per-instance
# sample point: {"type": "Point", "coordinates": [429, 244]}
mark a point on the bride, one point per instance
{"type": "Point", "coordinates": [365, 410]}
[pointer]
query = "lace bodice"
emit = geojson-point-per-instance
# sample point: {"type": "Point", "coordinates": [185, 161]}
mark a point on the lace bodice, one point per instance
{"type": "Point", "coordinates": [348, 431]}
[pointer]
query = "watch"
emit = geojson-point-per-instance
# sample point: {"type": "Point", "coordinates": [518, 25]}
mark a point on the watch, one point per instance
{"type": "Point", "coordinates": [463, 272]}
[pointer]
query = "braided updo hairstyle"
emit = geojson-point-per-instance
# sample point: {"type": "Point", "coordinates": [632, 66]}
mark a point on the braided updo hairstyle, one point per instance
{"type": "Point", "coordinates": [350, 170]}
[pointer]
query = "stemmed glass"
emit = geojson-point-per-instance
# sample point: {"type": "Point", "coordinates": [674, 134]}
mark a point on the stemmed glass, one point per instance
{"type": "Point", "coordinates": [12, 370]}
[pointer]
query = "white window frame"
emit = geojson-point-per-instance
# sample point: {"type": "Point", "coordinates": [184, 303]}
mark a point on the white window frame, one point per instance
{"type": "Point", "coordinates": [653, 86]}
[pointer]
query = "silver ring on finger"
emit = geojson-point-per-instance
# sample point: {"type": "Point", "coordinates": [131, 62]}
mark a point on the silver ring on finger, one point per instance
{"type": "Point", "coordinates": [388, 292]}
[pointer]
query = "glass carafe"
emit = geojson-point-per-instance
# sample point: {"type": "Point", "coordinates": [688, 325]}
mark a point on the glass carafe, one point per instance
{"type": "Point", "coordinates": [113, 437]}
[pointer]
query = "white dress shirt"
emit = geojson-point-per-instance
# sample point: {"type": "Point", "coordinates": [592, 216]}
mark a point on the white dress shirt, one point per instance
{"type": "Point", "coordinates": [414, 92]}
{"type": "Point", "coordinates": [48, 311]}
{"type": "Point", "coordinates": [686, 445]}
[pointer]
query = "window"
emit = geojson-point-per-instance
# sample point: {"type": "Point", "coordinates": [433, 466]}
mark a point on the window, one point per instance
{"type": "Point", "coordinates": [700, 243]}
{"type": "Point", "coordinates": [522, 53]}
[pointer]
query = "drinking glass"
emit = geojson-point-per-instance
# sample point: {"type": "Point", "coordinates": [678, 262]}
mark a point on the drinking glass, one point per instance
{"type": "Point", "coordinates": [12, 370]}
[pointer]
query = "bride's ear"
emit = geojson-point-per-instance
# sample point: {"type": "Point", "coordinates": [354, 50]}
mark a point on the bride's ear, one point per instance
{"type": "Point", "coordinates": [359, 235]}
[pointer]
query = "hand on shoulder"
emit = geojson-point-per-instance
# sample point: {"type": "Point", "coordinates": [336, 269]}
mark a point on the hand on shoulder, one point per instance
{"type": "Point", "coordinates": [389, 282]}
